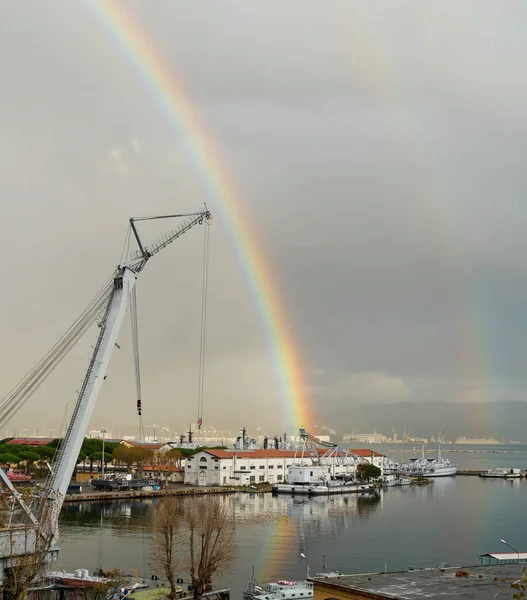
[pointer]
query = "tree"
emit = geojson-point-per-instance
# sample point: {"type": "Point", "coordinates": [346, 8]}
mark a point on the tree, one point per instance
{"type": "Point", "coordinates": [165, 462]}
{"type": "Point", "coordinates": [141, 458]}
{"type": "Point", "coordinates": [122, 455]}
{"type": "Point", "coordinates": [98, 458]}
{"type": "Point", "coordinates": [212, 545]}
{"type": "Point", "coordinates": [167, 522]}
{"type": "Point", "coordinates": [7, 458]}
{"type": "Point", "coordinates": [204, 525]}
{"type": "Point", "coordinates": [520, 587]}
{"type": "Point", "coordinates": [368, 471]}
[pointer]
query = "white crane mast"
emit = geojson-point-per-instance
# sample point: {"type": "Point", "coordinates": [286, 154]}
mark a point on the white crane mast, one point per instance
{"type": "Point", "coordinates": [110, 325]}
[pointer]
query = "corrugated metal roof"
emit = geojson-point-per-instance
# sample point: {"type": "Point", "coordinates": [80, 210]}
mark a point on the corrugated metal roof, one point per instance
{"type": "Point", "coordinates": [506, 555]}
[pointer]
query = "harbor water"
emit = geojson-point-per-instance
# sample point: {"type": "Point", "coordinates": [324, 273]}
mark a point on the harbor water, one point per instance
{"type": "Point", "coordinates": [450, 520]}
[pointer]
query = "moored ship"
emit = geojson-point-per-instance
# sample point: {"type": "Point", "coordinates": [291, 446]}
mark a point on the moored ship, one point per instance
{"type": "Point", "coordinates": [430, 467]}
{"type": "Point", "coordinates": [501, 473]}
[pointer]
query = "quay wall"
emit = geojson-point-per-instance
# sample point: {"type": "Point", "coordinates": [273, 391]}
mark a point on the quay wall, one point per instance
{"type": "Point", "coordinates": [124, 495]}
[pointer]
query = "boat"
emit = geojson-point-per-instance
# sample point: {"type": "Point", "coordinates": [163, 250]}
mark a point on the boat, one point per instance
{"type": "Point", "coordinates": [79, 578]}
{"type": "Point", "coordinates": [115, 482]}
{"type": "Point", "coordinates": [314, 481]}
{"type": "Point", "coordinates": [17, 475]}
{"type": "Point", "coordinates": [430, 467]}
{"type": "Point", "coordinates": [278, 590]}
{"type": "Point", "coordinates": [324, 489]}
{"type": "Point", "coordinates": [402, 481]}
{"type": "Point", "coordinates": [501, 473]}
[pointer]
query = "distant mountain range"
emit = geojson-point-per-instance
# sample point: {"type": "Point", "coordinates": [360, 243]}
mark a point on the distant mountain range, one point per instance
{"type": "Point", "coordinates": [504, 420]}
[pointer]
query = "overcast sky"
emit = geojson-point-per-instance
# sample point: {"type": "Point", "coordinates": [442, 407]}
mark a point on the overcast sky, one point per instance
{"type": "Point", "coordinates": [379, 151]}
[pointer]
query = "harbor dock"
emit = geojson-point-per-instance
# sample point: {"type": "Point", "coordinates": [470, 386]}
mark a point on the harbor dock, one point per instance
{"type": "Point", "coordinates": [135, 494]}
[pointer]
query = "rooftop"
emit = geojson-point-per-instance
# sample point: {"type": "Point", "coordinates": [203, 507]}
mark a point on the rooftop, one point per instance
{"type": "Point", "coordinates": [458, 583]}
{"type": "Point", "coordinates": [273, 453]}
{"type": "Point", "coordinates": [29, 441]}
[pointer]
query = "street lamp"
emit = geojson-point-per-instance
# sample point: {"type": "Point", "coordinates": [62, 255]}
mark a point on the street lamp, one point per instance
{"type": "Point", "coordinates": [507, 544]}
{"type": "Point", "coordinates": [102, 462]}
{"type": "Point", "coordinates": [302, 555]}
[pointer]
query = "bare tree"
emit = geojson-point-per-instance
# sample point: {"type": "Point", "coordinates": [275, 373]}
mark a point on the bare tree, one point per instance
{"type": "Point", "coordinates": [209, 524]}
{"type": "Point", "coordinates": [196, 535]}
{"type": "Point", "coordinates": [167, 520]}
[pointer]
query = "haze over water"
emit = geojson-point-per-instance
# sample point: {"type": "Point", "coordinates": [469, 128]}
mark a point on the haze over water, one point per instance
{"type": "Point", "coordinates": [450, 520]}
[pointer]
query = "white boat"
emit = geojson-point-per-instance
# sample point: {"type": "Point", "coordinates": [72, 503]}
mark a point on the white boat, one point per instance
{"type": "Point", "coordinates": [323, 489]}
{"type": "Point", "coordinates": [501, 473]}
{"type": "Point", "coordinates": [314, 481]}
{"type": "Point", "coordinates": [430, 467]}
{"type": "Point", "coordinates": [401, 481]}
{"type": "Point", "coordinates": [278, 590]}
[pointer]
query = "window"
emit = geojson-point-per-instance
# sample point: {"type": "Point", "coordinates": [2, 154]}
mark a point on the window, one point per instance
{"type": "Point", "coordinates": [262, 466]}
{"type": "Point", "coordinates": [224, 467]}
{"type": "Point", "coordinates": [253, 467]}
{"type": "Point", "coordinates": [278, 466]}
{"type": "Point", "coordinates": [215, 460]}
{"type": "Point", "coordinates": [203, 459]}
{"type": "Point", "coordinates": [216, 467]}
{"type": "Point", "coordinates": [311, 473]}
{"type": "Point", "coordinates": [243, 468]}
{"type": "Point", "coordinates": [279, 477]}
{"type": "Point", "coordinates": [262, 478]}
{"type": "Point", "coordinates": [271, 467]}
{"type": "Point", "coordinates": [252, 479]}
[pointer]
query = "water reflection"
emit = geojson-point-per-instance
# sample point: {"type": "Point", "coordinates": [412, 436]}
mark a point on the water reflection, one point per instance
{"type": "Point", "coordinates": [451, 519]}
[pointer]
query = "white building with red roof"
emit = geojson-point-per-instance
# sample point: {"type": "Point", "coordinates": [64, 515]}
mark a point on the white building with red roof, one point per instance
{"type": "Point", "coordinates": [248, 467]}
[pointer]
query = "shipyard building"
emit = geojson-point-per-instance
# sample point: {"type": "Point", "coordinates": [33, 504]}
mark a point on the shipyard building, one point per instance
{"type": "Point", "coordinates": [247, 467]}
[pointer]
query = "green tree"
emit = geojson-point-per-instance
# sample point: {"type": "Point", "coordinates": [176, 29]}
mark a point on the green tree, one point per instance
{"type": "Point", "coordinates": [367, 471]}
{"type": "Point", "coordinates": [98, 458]}
{"type": "Point", "coordinates": [9, 458]}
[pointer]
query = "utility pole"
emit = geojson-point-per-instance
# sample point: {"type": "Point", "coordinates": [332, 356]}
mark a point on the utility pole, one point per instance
{"type": "Point", "coordinates": [102, 467]}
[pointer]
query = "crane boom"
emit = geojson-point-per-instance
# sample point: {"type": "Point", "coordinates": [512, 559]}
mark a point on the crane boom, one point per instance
{"type": "Point", "coordinates": [144, 253]}
{"type": "Point", "coordinates": [123, 283]}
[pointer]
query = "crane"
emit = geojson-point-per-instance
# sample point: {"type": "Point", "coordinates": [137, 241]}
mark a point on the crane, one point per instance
{"type": "Point", "coordinates": [30, 527]}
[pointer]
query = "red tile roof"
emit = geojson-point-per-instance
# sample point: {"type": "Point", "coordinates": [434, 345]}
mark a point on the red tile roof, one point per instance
{"type": "Point", "coordinates": [30, 441]}
{"type": "Point", "coordinates": [272, 453]}
{"type": "Point", "coordinates": [365, 452]}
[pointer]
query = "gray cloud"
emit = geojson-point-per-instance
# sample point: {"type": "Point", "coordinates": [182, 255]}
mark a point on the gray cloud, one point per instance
{"type": "Point", "coordinates": [378, 152]}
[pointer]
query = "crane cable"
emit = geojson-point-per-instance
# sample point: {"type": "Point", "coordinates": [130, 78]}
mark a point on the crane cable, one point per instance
{"type": "Point", "coordinates": [137, 365]}
{"type": "Point", "coordinates": [203, 332]}
{"type": "Point", "coordinates": [27, 386]}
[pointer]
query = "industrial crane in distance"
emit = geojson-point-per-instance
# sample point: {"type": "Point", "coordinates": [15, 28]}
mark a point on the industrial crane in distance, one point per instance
{"type": "Point", "coordinates": [29, 524]}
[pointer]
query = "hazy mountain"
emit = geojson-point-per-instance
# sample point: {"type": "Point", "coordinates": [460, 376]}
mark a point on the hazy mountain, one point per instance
{"type": "Point", "coordinates": [505, 420]}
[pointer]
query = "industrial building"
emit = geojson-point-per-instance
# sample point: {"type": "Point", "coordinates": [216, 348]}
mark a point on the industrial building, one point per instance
{"type": "Point", "coordinates": [246, 467]}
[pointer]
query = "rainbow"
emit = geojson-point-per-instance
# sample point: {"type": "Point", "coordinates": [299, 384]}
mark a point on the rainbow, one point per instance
{"type": "Point", "coordinates": [372, 65]}
{"type": "Point", "coordinates": [172, 98]}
